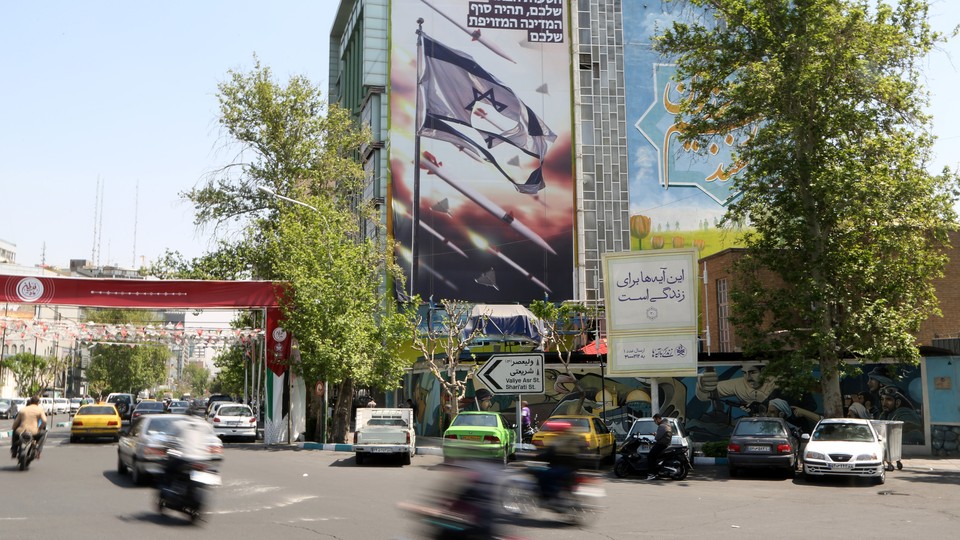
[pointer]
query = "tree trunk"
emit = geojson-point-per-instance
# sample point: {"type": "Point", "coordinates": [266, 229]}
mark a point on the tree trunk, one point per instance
{"type": "Point", "coordinates": [341, 412]}
{"type": "Point", "coordinates": [830, 387]}
{"type": "Point", "coordinates": [317, 404]}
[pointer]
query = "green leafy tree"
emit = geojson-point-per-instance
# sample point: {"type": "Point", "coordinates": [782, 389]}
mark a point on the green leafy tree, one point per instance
{"type": "Point", "coordinates": [846, 219]}
{"type": "Point", "coordinates": [196, 378]}
{"type": "Point", "coordinates": [441, 344]}
{"type": "Point", "coordinates": [122, 368]}
{"type": "Point", "coordinates": [561, 325]}
{"type": "Point", "coordinates": [229, 377]}
{"type": "Point", "coordinates": [327, 246]}
{"type": "Point", "coordinates": [29, 372]}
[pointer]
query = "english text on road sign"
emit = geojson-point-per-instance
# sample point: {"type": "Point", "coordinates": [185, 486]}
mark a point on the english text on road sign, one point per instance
{"type": "Point", "coordinates": [513, 374]}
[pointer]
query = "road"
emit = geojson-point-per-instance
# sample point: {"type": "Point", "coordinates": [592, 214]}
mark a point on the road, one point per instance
{"type": "Point", "coordinates": [75, 492]}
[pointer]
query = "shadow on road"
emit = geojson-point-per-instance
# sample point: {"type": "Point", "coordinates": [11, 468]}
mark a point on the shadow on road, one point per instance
{"type": "Point", "coordinates": [933, 477]}
{"type": "Point", "coordinates": [158, 519]}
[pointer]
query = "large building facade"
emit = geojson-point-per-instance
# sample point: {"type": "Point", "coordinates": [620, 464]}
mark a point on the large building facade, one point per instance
{"type": "Point", "coordinates": [516, 143]}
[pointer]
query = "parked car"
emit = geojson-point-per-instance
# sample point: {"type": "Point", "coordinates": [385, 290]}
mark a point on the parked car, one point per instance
{"type": "Point", "coordinates": [198, 407]}
{"type": "Point", "coordinates": [214, 399]}
{"type": "Point", "coordinates": [763, 443]}
{"type": "Point", "coordinates": [142, 450]}
{"type": "Point", "coordinates": [16, 404]}
{"type": "Point", "coordinates": [48, 406]}
{"type": "Point", "coordinates": [148, 407]}
{"type": "Point", "coordinates": [479, 434]}
{"type": "Point", "coordinates": [844, 447]}
{"type": "Point", "coordinates": [234, 420]}
{"type": "Point", "coordinates": [75, 405]}
{"type": "Point", "coordinates": [599, 440]}
{"type": "Point", "coordinates": [124, 403]}
{"type": "Point", "coordinates": [5, 405]}
{"type": "Point", "coordinates": [646, 427]}
{"type": "Point", "coordinates": [95, 421]}
{"type": "Point", "coordinates": [61, 405]}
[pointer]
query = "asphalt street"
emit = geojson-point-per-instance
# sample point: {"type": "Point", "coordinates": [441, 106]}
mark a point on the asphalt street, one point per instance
{"type": "Point", "coordinates": [75, 492]}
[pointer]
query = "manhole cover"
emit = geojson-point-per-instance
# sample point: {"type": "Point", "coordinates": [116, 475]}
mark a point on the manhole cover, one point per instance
{"type": "Point", "coordinates": [891, 493]}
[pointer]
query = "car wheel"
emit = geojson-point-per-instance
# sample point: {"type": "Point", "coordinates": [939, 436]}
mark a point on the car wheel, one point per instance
{"type": "Point", "coordinates": [359, 458]}
{"type": "Point", "coordinates": [405, 458]}
{"type": "Point", "coordinates": [881, 479]}
{"type": "Point", "coordinates": [734, 472]}
{"type": "Point", "coordinates": [121, 468]}
{"type": "Point", "coordinates": [74, 439]}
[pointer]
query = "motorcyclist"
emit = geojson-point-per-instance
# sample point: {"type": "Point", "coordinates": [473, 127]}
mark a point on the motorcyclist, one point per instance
{"type": "Point", "coordinates": [661, 441]}
{"type": "Point", "coordinates": [526, 421]}
{"type": "Point", "coordinates": [562, 453]}
{"type": "Point", "coordinates": [188, 445]}
{"type": "Point", "coordinates": [30, 419]}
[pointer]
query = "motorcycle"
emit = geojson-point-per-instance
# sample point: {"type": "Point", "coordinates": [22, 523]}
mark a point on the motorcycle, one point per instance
{"type": "Point", "coordinates": [186, 490]}
{"type": "Point", "coordinates": [530, 431]}
{"type": "Point", "coordinates": [634, 452]}
{"type": "Point", "coordinates": [578, 501]}
{"type": "Point", "coordinates": [29, 449]}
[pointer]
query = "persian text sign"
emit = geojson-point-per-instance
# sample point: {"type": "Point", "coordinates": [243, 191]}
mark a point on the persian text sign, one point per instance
{"type": "Point", "coordinates": [652, 356]}
{"type": "Point", "coordinates": [651, 291]}
{"type": "Point", "coordinates": [513, 374]}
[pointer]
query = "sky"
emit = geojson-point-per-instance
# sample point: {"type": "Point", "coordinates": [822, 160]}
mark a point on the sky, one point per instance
{"type": "Point", "coordinates": [123, 94]}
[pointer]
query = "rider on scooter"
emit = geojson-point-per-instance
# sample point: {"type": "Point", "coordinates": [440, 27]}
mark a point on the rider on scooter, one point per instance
{"type": "Point", "coordinates": [563, 455]}
{"type": "Point", "coordinates": [33, 420]}
{"type": "Point", "coordinates": [661, 442]}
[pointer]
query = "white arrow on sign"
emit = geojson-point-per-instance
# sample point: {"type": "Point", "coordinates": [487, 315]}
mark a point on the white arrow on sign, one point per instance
{"type": "Point", "coordinates": [513, 374]}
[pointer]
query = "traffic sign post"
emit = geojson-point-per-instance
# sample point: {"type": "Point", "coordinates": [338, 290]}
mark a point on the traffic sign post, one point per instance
{"type": "Point", "coordinates": [513, 374]}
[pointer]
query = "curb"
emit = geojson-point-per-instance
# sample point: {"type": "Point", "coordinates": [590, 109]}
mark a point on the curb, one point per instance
{"type": "Point", "coordinates": [5, 434]}
{"type": "Point", "coordinates": [698, 460]}
{"type": "Point", "coordinates": [337, 447]}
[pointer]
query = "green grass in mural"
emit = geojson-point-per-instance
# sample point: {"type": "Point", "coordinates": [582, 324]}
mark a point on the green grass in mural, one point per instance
{"type": "Point", "coordinates": [708, 241]}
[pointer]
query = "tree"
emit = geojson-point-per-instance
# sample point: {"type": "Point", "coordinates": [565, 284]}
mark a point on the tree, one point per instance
{"type": "Point", "coordinates": [329, 249]}
{"type": "Point", "coordinates": [559, 322]}
{"type": "Point", "coordinates": [29, 372]}
{"type": "Point", "coordinates": [845, 216]}
{"type": "Point", "coordinates": [442, 340]}
{"type": "Point", "coordinates": [197, 378]}
{"type": "Point", "coordinates": [124, 368]}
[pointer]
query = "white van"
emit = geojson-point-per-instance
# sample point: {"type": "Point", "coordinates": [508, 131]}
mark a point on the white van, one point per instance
{"type": "Point", "coordinates": [61, 405]}
{"type": "Point", "coordinates": [47, 405]}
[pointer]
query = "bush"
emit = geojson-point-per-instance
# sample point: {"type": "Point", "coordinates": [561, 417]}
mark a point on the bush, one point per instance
{"type": "Point", "coordinates": [715, 449]}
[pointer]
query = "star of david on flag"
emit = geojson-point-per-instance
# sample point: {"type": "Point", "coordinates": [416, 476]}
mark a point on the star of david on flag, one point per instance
{"type": "Point", "coordinates": [453, 86]}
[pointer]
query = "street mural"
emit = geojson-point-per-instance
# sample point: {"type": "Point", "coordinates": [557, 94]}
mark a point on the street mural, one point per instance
{"type": "Point", "coordinates": [708, 404]}
{"type": "Point", "coordinates": [481, 160]}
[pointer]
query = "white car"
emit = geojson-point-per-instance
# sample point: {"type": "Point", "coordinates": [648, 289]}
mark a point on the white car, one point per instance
{"type": "Point", "coordinates": [646, 427]}
{"type": "Point", "coordinates": [61, 405]}
{"type": "Point", "coordinates": [844, 447]}
{"type": "Point", "coordinates": [235, 420]}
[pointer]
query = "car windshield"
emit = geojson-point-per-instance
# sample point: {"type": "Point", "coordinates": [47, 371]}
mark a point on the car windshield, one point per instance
{"type": "Point", "coordinates": [97, 409]}
{"type": "Point", "coordinates": [760, 429]}
{"type": "Point", "coordinates": [475, 420]}
{"type": "Point", "coordinates": [644, 427]}
{"type": "Point", "coordinates": [234, 411]}
{"type": "Point", "coordinates": [843, 432]}
{"type": "Point", "coordinates": [178, 404]}
{"type": "Point", "coordinates": [161, 425]}
{"type": "Point", "coordinates": [579, 425]}
{"type": "Point", "coordinates": [387, 422]}
{"type": "Point", "coordinates": [150, 406]}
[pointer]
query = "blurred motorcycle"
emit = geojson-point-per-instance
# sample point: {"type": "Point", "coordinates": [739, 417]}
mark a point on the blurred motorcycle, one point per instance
{"type": "Point", "coordinates": [29, 449]}
{"type": "Point", "coordinates": [185, 488]}
{"type": "Point", "coordinates": [578, 499]}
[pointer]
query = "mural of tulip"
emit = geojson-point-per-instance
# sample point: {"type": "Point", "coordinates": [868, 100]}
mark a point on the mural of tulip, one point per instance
{"type": "Point", "coordinates": [656, 242]}
{"type": "Point", "coordinates": [699, 243]}
{"type": "Point", "coordinates": [678, 242]}
{"type": "Point", "coordinates": [639, 228]}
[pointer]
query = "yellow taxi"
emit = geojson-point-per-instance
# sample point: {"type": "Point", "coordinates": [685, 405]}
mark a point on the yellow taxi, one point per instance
{"type": "Point", "coordinates": [95, 420]}
{"type": "Point", "coordinates": [598, 439]}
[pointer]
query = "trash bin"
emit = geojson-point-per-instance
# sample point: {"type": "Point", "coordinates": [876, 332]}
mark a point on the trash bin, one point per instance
{"type": "Point", "coordinates": [892, 433]}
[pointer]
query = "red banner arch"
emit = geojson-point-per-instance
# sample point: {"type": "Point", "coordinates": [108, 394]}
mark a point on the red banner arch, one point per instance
{"type": "Point", "coordinates": [155, 294]}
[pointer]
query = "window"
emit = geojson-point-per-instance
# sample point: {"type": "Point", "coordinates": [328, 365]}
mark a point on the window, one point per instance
{"type": "Point", "coordinates": [723, 316]}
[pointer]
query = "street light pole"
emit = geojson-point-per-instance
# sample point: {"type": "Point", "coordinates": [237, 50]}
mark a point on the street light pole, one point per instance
{"type": "Point", "coordinates": [273, 193]}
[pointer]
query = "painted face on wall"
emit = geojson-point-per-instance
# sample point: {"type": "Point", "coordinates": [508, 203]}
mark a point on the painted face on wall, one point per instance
{"type": "Point", "coordinates": [753, 377]}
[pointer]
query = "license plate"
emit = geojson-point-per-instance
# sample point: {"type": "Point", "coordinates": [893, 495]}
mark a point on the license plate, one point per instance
{"type": "Point", "coordinates": [841, 465]}
{"type": "Point", "coordinates": [381, 450]}
{"type": "Point", "coordinates": [205, 478]}
{"type": "Point", "coordinates": [471, 437]}
{"type": "Point", "coordinates": [758, 449]}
